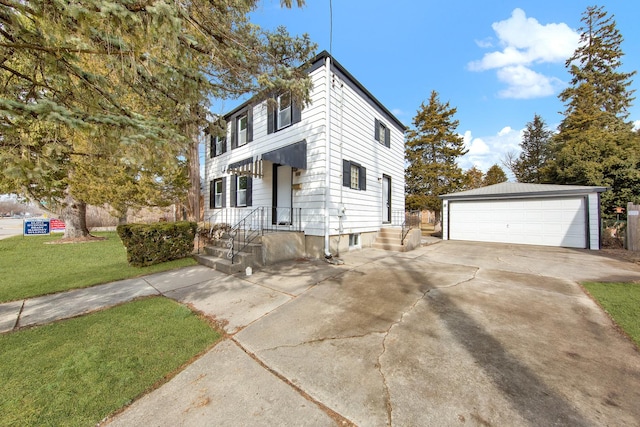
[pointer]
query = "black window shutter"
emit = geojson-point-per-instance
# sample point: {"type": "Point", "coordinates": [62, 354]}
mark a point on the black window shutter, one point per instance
{"type": "Point", "coordinates": [387, 137]}
{"type": "Point", "coordinates": [212, 194]}
{"type": "Point", "coordinates": [224, 192]}
{"type": "Point", "coordinates": [296, 112]}
{"type": "Point", "coordinates": [233, 133]}
{"type": "Point", "coordinates": [250, 124]}
{"type": "Point", "coordinates": [249, 190]}
{"type": "Point", "coordinates": [346, 173]}
{"type": "Point", "coordinates": [212, 145]}
{"type": "Point", "coordinates": [363, 179]}
{"type": "Point", "coordinates": [234, 191]}
{"type": "Point", "coordinates": [270, 116]}
{"type": "Point", "coordinates": [376, 130]}
{"type": "Point", "coordinates": [224, 144]}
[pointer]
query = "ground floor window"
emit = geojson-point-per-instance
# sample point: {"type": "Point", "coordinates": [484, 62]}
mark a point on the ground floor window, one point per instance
{"type": "Point", "coordinates": [241, 195]}
{"type": "Point", "coordinates": [216, 194]}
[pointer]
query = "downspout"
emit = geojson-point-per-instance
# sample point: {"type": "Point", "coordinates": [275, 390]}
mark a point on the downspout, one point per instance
{"type": "Point", "coordinates": [327, 156]}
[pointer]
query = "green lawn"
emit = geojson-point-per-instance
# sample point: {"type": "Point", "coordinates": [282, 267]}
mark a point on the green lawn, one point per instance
{"type": "Point", "coordinates": [30, 267]}
{"type": "Point", "coordinates": [622, 302]}
{"type": "Point", "coordinates": [78, 371]}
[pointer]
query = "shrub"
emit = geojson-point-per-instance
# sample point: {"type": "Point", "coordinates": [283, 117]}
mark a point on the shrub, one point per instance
{"type": "Point", "coordinates": [149, 244]}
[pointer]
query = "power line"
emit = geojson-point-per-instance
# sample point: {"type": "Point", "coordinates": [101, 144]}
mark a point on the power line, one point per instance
{"type": "Point", "coordinates": [330, 27]}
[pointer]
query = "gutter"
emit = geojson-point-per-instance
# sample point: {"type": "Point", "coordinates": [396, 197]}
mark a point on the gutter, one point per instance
{"type": "Point", "coordinates": [327, 157]}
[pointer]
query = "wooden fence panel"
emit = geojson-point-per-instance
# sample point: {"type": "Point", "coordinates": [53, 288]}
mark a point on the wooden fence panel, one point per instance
{"type": "Point", "coordinates": [633, 227]}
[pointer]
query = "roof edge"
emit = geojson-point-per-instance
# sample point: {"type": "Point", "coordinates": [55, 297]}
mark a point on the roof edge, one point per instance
{"type": "Point", "coordinates": [519, 195]}
{"type": "Point", "coordinates": [312, 65]}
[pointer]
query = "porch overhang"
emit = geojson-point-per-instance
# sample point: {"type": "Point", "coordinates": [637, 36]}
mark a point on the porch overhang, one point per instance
{"type": "Point", "coordinates": [246, 167]}
{"type": "Point", "coordinates": [294, 155]}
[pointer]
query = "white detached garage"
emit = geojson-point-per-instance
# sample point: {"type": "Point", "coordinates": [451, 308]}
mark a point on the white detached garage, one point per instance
{"type": "Point", "coordinates": [530, 214]}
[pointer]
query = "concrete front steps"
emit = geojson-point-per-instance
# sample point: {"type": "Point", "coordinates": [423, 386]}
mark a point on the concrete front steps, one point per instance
{"type": "Point", "coordinates": [267, 249]}
{"type": "Point", "coordinates": [390, 239]}
{"type": "Point", "coordinates": [216, 257]}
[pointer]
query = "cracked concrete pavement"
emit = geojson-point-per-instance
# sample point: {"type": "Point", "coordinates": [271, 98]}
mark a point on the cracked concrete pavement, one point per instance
{"type": "Point", "coordinates": [449, 334]}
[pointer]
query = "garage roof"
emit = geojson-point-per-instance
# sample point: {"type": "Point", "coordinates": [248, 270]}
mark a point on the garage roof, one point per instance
{"type": "Point", "coordinates": [509, 190]}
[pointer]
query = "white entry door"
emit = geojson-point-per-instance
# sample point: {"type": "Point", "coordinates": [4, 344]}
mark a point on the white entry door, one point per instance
{"type": "Point", "coordinates": [386, 199]}
{"type": "Point", "coordinates": [283, 195]}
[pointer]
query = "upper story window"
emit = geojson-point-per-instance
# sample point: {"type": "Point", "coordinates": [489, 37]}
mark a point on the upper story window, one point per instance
{"type": "Point", "coordinates": [284, 110]}
{"type": "Point", "coordinates": [241, 126]}
{"type": "Point", "coordinates": [381, 133]}
{"type": "Point", "coordinates": [218, 145]}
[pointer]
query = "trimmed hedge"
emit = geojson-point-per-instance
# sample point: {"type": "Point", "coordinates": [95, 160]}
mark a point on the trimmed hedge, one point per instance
{"type": "Point", "coordinates": [149, 244]}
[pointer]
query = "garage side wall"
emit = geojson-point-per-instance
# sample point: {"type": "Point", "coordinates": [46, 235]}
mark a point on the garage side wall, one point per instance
{"type": "Point", "coordinates": [444, 217]}
{"type": "Point", "coordinates": [593, 202]}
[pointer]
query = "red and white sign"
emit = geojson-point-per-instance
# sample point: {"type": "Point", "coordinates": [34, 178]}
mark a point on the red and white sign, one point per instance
{"type": "Point", "coordinates": [56, 225]}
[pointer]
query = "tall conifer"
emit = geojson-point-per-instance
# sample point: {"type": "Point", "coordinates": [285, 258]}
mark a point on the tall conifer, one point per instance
{"type": "Point", "coordinates": [432, 149]}
{"type": "Point", "coordinates": [595, 144]}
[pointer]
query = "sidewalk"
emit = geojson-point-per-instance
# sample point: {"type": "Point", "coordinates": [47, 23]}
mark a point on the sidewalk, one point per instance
{"type": "Point", "coordinates": [235, 298]}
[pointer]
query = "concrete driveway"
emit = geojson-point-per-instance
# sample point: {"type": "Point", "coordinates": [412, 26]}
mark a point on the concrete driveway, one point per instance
{"type": "Point", "coordinates": [452, 334]}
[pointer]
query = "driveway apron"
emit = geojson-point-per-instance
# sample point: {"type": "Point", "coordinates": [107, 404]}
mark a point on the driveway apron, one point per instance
{"type": "Point", "coordinates": [449, 334]}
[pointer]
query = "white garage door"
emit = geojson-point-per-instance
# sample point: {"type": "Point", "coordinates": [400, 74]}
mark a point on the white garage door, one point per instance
{"type": "Point", "coordinates": [548, 222]}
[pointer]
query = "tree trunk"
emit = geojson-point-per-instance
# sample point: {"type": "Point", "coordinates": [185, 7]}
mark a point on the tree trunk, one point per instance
{"type": "Point", "coordinates": [193, 196]}
{"type": "Point", "coordinates": [74, 215]}
{"type": "Point", "coordinates": [437, 221]}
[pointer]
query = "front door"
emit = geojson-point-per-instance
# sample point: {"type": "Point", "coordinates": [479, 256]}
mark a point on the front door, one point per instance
{"type": "Point", "coordinates": [282, 195]}
{"type": "Point", "coordinates": [386, 199]}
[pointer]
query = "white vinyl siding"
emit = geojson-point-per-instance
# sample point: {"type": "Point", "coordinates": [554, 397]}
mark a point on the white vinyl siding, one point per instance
{"type": "Point", "coordinates": [352, 119]}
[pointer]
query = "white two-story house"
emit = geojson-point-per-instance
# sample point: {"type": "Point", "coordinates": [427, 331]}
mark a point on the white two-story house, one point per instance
{"type": "Point", "coordinates": [333, 169]}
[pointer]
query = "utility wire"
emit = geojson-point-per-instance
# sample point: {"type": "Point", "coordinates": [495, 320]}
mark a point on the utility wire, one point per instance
{"type": "Point", "coordinates": [330, 28]}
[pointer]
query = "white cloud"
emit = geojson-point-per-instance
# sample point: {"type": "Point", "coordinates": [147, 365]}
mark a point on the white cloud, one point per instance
{"type": "Point", "coordinates": [524, 83]}
{"type": "Point", "coordinates": [487, 151]}
{"type": "Point", "coordinates": [636, 125]}
{"type": "Point", "coordinates": [397, 112]}
{"type": "Point", "coordinates": [527, 43]}
{"type": "Point", "coordinates": [485, 44]}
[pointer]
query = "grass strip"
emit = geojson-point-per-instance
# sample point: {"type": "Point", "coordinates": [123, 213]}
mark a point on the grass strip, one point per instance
{"type": "Point", "coordinates": [622, 302]}
{"type": "Point", "coordinates": [78, 371]}
{"type": "Point", "coordinates": [30, 267]}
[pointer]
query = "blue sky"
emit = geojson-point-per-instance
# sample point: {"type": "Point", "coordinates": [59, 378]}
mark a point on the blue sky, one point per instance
{"type": "Point", "coordinates": [498, 62]}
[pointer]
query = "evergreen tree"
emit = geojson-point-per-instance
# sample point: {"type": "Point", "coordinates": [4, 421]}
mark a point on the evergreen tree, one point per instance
{"type": "Point", "coordinates": [495, 175]}
{"type": "Point", "coordinates": [96, 92]}
{"type": "Point", "coordinates": [473, 178]}
{"type": "Point", "coordinates": [536, 151]}
{"type": "Point", "coordinates": [432, 149]}
{"type": "Point", "coordinates": [596, 144]}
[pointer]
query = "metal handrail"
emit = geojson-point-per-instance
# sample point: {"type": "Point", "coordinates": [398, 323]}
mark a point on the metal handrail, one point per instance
{"type": "Point", "coordinates": [247, 237]}
{"type": "Point", "coordinates": [409, 222]}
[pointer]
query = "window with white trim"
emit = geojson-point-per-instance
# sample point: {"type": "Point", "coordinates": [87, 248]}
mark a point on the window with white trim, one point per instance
{"type": "Point", "coordinates": [284, 110]}
{"type": "Point", "coordinates": [242, 130]}
{"type": "Point", "coordinates": [354, 241]}
{"type": "Point", "coordinates": [218, 145]}
{"type": "Point", "coordinates": [217, 193]}
{"type": "Point", "coordinates": [381, 133]}
{"type": "Point", "coordinates": [354, 175]}
{"type": "Point", "coordinates": [241, 191]}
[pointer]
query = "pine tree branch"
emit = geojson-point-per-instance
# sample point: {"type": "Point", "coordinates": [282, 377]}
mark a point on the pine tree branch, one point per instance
{"type": "Point", "coordinates": [59, 49]}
